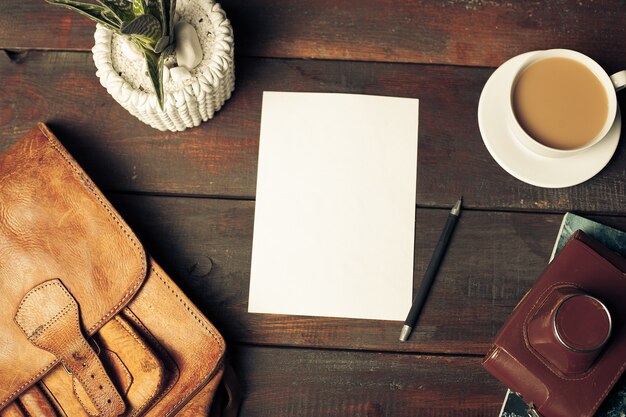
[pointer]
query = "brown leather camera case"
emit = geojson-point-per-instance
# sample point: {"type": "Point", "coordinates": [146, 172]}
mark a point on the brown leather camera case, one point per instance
{"type": "Point", "coordinates": [89, 324]}
{"type": "Point", "coordinates": [559, 380]}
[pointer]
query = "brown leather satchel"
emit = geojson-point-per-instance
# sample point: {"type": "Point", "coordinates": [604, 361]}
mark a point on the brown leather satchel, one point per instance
{"type": "Point", "coordinates": [564, 346]}
{"type": "Point", "coordinates": [89, 324]}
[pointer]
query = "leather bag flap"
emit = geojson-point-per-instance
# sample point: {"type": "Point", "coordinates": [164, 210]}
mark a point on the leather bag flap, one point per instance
{"type": "Point", "coordinates": [56, 225]}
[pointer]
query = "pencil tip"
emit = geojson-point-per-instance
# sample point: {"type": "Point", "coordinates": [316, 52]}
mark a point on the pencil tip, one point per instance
{"type": "Point", "coordinates": [457, 207]}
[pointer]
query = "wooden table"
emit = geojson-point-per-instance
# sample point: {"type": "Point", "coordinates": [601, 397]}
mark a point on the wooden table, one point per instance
{"type": "Point", "coordinates": [190, 195]}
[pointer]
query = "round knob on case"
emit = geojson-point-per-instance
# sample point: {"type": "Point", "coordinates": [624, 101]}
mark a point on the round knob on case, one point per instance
{"type": "Point", "coordinates": [569, 329]}
{"type": "Point", "coordinates": [582, 323]}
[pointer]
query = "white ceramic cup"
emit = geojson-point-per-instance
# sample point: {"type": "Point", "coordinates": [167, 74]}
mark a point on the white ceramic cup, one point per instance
{"type": "Point", "coordinates": [611, 85]}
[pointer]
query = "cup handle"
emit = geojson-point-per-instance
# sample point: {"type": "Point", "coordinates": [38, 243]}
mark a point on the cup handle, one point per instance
{"type": "Point", "coordinates": [619, 80]}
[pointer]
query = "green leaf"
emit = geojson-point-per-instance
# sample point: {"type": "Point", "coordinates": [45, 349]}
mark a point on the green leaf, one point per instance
{"type": "Point", "coordinates": [154, 8]}
{"type": "Point", "coordinates": [145, 26]}
{"type": "Point", "coordinates": [95, 12]}
{"type": "Point", "coordinates": [122, 9]}
{"type": "Point", "coordinates": [138, 8]}
{"type": "Point", "coordinates": [112, 17]}
{"type": "Point", "coordinates": [145, 43]}
{"type": "Point", "coordinates": [166, 9]}
{"type": "Point", "coordinates": [155, 70]}
{"type": "Point", "coordinates": [161, 44]}
{"type": "Point", "coordinates": [170, 7]}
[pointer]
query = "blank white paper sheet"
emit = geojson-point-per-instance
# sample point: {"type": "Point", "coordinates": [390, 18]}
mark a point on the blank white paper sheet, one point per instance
{"type": "Point", "coordinates": [335, 206]}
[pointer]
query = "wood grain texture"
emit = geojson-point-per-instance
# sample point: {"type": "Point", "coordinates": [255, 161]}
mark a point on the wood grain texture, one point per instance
{"type": "Point", "coordinates": [314, 383]}
{"type": "Point", "coordinates": [458, 32]}
{"type": "Point", "coordinates": [313, 366]}
{"type": "Point", "coordinates": [494, 258]}
{"type": "Point", "coordinates": [219, 158]}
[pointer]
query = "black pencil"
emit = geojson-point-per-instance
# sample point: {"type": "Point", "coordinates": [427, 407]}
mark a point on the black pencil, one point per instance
{"type": "Point", "coordinates": [431, 271]}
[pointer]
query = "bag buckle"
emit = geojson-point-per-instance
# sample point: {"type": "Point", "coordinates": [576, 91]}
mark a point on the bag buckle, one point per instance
{"type": "Point", "coordinates": [96, 347]}
{"type": "Point", "coordinates": [50, 319]}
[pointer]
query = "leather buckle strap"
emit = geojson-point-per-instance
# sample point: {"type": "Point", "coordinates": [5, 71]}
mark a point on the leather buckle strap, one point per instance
{"type": "Point", "coordinates": [49, 317]}
{"type": "Point", "coordinates": [96, 348]}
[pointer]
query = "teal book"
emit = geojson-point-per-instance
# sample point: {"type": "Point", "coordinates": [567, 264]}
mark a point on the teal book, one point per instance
{"type": "Point", "coordinates": [615, 403]}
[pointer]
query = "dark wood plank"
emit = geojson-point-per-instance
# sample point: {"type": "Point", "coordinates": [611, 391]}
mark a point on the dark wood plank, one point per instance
{"type": "Point", "coordinates": [494, 258]}
{"type": "Point", "coordinates": [462, 32]}
{"type": "Point", "coordinates": [290, 382]}
{"type": "Point", "coordinates": [219, 157]}
{"type": "Point", "coordinates": [288, 364]}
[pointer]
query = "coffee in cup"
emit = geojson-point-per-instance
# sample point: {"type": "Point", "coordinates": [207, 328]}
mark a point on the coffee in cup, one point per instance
{"type": "Point", "coordinates": [562, 102]}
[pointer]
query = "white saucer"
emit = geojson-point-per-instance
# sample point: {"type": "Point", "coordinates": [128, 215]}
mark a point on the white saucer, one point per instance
{"type": "Point", "coordinates": [520, 162]}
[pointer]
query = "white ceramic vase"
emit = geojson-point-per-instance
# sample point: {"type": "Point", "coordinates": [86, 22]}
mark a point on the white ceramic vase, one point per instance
{"type": "Point", "coordinates": [187, 103]}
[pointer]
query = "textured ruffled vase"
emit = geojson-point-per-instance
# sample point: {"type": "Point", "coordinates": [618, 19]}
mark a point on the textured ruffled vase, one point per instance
{"type": "Point", "coordinates": [187, 102]}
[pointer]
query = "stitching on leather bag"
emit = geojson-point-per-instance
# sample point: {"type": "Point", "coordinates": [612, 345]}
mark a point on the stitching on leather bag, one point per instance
{"type": "Point", "coordinates": [49, 322]}
{"type": "Point", "coordinates": [67, 309]}
{"type": "Point", "coordinates": [189, 310]}
{"type": "Point", "coordinates": [153, 343]}
{"type": "Point", "coordinates": [203, 324]}
{"type": "Point", "coordinates": [83, 342]}
{"type": "Point", "coordinates": [52, 399]}
{"type": "Point", "coordinates": [537, 354]}
{"type": "Point", "coordinates": [131, 290]}
{"type": "Point", "coordinates": [139, 250]}
{"type": "Point", "coordinates": [198, 387]}
{"type": "Point", "coordinates": [131, 238]}
{"type": "Point", "coordinates": [114, 357]}
{"type": "Point", "coordinates": [80, 400]}
{"type": "Point", "coordinates": [131, 334]}
{"type": "Point", "coordinates": [144, 347]}
{"type": "Point", "coordinates": [27, 383]}
{"type": "Point", "coordinates": [123, 228]}
{"type": "Point", "coordinates": [98, 365]}
{"type": "Point", "coordinates": [165, 356]}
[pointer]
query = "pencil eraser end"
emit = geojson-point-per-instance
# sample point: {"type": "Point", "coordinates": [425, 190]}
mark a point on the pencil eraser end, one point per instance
{"type": "Point", "coordinates": [405, 333]}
